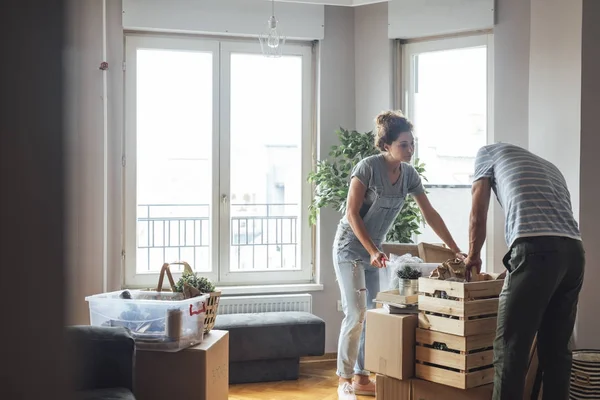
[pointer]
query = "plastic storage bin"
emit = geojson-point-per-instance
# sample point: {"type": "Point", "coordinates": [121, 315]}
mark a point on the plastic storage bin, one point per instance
{"type": "Point", "coordinates": [160, 321]}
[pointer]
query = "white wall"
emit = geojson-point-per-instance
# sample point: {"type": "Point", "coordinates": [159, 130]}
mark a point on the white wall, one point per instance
{"type": "Point", "coordinates": [555, 86]}
{"type": "Point", "coordinates": [511, 98]}
{"type": "Point", "coordinates": [536, 57]}
{"type": "Point", "coordinates": [373, 64]}
{"type": "Point", "coordinates": [85, 153]}
{"type": "Point", "coordinates": [337, 109]}
{"type": "Point", "coordinates": [588, 324]}
{"type": "Point", "coordinates": [416, 18]}
{"type": "Point", "coordinates": [223, 17]}
{"type": "Point", "coordinates": [84, 156]}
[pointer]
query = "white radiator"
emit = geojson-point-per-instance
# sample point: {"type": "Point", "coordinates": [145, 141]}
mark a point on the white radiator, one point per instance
{"type": "Point", "coordinates": [265, 303]}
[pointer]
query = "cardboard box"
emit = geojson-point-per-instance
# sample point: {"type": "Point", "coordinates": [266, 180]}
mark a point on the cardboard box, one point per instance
{"type": "Point", "coordinates": [199, 373]}
{"type": "Point", "coordinates": [400, 249]}
{"type": "Point", "coordinates": [428, 252]}
{"type": "Point", "coordinates": [424, 390]}
{"type": "Point", "coordinates": [392, 389]}
{"type": "Point", "coordinates": [390, 343]}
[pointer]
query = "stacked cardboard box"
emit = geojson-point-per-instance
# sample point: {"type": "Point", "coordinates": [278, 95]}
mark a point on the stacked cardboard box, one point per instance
{"type": "Point", "coordinates": [390, 352]}
{"type": "Point", "coordinates": [196, 373]}
{"type": "Point", "coordinates": [417, 389]}
{"type": "Point", "coordinates": [395, 341]}
{"type": "Point", "coordinates": [447, 351]}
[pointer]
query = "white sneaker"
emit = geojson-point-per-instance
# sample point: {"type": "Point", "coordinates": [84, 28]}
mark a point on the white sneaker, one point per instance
{"type": "Point", "coordinates": [346, 391]}
{"type": "Point", "coordinates": [364, 390]}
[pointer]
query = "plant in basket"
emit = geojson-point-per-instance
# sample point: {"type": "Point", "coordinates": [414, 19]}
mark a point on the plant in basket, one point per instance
{"type": "Point", "coordinates": [192, 285]}
{"type": "Point", "coordinates": [189, 281]}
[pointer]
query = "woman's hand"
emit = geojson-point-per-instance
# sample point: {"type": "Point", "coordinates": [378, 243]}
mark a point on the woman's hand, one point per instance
{"type": "Point", "coordinates": [378, 259]}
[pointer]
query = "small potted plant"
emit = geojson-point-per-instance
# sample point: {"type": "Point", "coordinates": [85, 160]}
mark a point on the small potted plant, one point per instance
{"type": "Point", "coordinates": [408, 280]}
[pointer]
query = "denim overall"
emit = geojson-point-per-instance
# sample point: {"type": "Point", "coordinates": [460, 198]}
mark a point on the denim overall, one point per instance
{"type": "Point", "coordinates": [357, 279]}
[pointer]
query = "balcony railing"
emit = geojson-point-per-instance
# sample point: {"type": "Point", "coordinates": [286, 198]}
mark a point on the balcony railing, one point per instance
{"type": "Point", "coordinates": [262, 236]}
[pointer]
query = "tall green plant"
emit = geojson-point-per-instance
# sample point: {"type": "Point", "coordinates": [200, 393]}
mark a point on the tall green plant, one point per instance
{"type": "Point", "coordinates": [332, 181]}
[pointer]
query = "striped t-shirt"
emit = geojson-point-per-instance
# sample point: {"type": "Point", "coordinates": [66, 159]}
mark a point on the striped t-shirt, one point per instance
{"type": "Point", "coordinates": [531, 190]}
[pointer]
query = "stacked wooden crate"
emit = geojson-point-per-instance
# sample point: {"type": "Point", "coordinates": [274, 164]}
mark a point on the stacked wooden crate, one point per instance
{"type": "Point", "coordinates": [455, 335]}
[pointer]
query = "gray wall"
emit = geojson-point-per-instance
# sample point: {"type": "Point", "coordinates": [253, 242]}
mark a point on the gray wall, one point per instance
{"type": "Point", "coordinates": [555, 86]}
{"type": "Point", "coordinates": [85, 153]}
{"type": "Point", "coordinates": [373, 63]}
{"type": "Point", "coordinates": [588, 325]}
{"type": "Point", "coordinates": [545, 79]}
{"type": "Point", "coordinates": [337, 108]}
{"type": "Point", "coordinates": [356, 85]}
{"type": "Point", "coordinates": [511, 98]}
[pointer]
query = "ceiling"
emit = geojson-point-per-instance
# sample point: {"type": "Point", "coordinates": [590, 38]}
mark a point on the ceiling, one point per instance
{"type": "Point", "coordinates": [347, 3]}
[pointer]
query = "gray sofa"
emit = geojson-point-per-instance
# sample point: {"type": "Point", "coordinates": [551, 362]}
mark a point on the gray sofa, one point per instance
{"type": "Point", "coordinates": [101, 362]}
{"type": "Point", "coordinates": [267, 347]}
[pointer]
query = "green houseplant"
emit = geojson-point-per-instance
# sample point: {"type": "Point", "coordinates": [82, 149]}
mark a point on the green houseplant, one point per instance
{"type": "Point", "coordinates": [332, 180]}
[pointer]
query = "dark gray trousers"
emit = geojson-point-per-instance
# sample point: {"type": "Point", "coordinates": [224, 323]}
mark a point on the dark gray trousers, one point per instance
{"type": "Point", "coordinates": [540, 295]}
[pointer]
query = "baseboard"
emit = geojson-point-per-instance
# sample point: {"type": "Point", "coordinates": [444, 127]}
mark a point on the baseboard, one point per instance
{"type": "Point", "coordinates": [325, 357]}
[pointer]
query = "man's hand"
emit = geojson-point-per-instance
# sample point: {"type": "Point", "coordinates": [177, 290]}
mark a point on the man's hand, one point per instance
{"type": "Point", "coordinates": [472, 264]}
{"type": "Point", "coordinates": [378, 259]}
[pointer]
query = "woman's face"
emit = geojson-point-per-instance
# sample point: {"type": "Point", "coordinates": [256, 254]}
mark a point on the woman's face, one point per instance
{"type": "Point", "coordinates": [403, 148]}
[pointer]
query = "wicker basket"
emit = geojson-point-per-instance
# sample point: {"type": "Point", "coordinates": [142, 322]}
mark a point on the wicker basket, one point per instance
{"type": "Point", "coordinates": [212, 304]}
{"type": "Point", "coordinates": [585, 375]}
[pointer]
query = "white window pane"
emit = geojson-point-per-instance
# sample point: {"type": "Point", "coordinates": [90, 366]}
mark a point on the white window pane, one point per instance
{"type": "Point", "coordinates": [450, 112]}
{"type": "Point", "coordinates": [265, 154]}
{"type": "Point", "coordinates": [174, 158]}
{"type": "Point", "coordinates": [450, 116]}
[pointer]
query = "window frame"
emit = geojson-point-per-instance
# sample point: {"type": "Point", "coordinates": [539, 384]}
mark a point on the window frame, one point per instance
{"type": "Point", "coordinates": [408, 81]}
{"type": "Point", "coordinates": [304, 274]}
{"type": "Point", "coordinates": [220, 211]}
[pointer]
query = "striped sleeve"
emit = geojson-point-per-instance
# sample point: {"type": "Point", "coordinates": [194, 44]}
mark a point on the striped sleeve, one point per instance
{"type": "Point", "coordinates": [484, 165]}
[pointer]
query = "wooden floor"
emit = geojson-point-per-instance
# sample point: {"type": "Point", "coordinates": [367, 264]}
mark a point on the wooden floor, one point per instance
{"type": "Point", "coordinates": [317, 382]}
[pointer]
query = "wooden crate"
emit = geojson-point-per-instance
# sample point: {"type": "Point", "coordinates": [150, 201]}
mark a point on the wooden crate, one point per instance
{"type": "Point", "coordinates": [469, 309]}
{"type": "Point", "coordinates": [464, 322]}
{"type": "Point", "coordinates": [466, 362]}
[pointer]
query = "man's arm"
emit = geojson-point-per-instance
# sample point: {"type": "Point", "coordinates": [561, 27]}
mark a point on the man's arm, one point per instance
{"type": "Point", "coordinates": [481, 191]}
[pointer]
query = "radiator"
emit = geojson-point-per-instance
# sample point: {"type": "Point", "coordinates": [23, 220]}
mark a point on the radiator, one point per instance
{"type": "Point", "coordinates": [265, 303]}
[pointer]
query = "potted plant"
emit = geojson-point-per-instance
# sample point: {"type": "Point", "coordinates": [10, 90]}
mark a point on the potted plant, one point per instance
{"type": "Point", "coordinates": [332, 181]}
{"type": "Point", "coordinates": [408, 280]}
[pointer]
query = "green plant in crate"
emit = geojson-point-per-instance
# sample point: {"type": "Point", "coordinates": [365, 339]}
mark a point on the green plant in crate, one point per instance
{"type": "Point", "coordinates": [332, 181]}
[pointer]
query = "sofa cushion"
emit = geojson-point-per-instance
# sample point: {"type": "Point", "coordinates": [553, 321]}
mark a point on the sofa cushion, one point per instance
{"type": "Point", "coordinates": [283, 369]}
{"type": "Point", "coordinates": [273, 335]}
{"type": "Point", "coordinates": [100, 357]}
{"type": "Point", "coordinates": [105, 394]}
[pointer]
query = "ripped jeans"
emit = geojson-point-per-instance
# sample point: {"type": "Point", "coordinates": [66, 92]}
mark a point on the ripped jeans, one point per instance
{"type": "Point", "coordinates": [359, 284]}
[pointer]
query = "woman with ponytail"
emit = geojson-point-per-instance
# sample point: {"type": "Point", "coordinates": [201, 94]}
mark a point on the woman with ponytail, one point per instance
{"type": "Point", "coordinates": [378, 188]}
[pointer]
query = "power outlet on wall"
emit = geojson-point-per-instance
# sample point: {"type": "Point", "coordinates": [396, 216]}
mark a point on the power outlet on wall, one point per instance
{"type": "Point", "coordinates": [339, 305]}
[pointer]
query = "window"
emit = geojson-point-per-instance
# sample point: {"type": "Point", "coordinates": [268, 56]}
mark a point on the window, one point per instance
{"type": "Point", "coordinates": [448, 87]}
{"type": "Point", "coordinates": [218, 148]}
